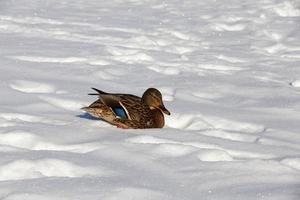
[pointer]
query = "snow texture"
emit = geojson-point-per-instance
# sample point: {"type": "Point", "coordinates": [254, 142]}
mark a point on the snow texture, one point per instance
{"type": "Point", "coordinates": [229, 72]}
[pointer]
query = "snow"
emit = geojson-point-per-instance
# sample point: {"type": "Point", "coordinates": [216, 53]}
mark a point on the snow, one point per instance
{"type": "Point", "coordinates": [229, 74]}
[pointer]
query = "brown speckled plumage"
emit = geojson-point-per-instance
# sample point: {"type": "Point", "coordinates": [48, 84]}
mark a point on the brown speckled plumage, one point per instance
{"type": "Point", "coordinates": [141, 113]}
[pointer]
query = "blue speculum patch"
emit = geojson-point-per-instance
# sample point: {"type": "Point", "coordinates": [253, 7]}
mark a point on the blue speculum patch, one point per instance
{"type": "Point", "coordinates": [120, 112]}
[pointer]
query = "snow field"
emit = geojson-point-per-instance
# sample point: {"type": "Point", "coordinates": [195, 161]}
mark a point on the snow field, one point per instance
{"type": "Point", "coordinates": [228, 72]}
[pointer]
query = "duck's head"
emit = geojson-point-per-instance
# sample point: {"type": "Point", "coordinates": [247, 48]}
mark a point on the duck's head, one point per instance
{"type": "Point", "coordinates": [153, 98]}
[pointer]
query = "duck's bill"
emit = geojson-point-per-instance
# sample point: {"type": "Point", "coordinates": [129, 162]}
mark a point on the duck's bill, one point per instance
{"type": "Point", "coordinates": [164, 110]}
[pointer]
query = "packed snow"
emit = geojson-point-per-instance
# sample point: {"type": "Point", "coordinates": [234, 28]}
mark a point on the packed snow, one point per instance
{"type": "Point", "coordinates": [229, 72]}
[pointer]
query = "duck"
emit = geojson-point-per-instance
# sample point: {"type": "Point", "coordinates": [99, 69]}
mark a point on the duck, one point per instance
{"type": "Point", "coordinates": [128, 111]}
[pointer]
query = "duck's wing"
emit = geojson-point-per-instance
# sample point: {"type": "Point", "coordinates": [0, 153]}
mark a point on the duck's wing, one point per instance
{"type": "Point", "coordinates": [113, 99]}
{"type": "Point", "coordinates": [113, 102]}
{"type": "Point", "coordinates": [125, 106]}
{"type": "Point", "coordinates": [98, 92]}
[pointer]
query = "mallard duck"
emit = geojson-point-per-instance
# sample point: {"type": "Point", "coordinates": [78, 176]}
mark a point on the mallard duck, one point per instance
{"type": "Point", "coordinates": [129, 111]}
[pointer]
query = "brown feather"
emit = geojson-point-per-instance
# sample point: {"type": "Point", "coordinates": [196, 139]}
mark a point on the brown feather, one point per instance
{"type": "Point", "coordinates": [141, 114]}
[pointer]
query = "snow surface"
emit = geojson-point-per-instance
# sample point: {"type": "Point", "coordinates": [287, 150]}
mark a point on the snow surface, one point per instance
{"type": "Point", "coordinates": [229, 72]}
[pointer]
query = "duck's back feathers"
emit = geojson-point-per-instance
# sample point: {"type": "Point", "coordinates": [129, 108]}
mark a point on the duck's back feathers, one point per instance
{"type": "Point", "coordinates": [134, 107]}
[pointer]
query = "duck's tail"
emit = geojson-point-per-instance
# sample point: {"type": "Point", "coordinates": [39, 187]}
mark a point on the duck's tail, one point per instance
{"type": "Point", "coordinates": [99, 92]}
